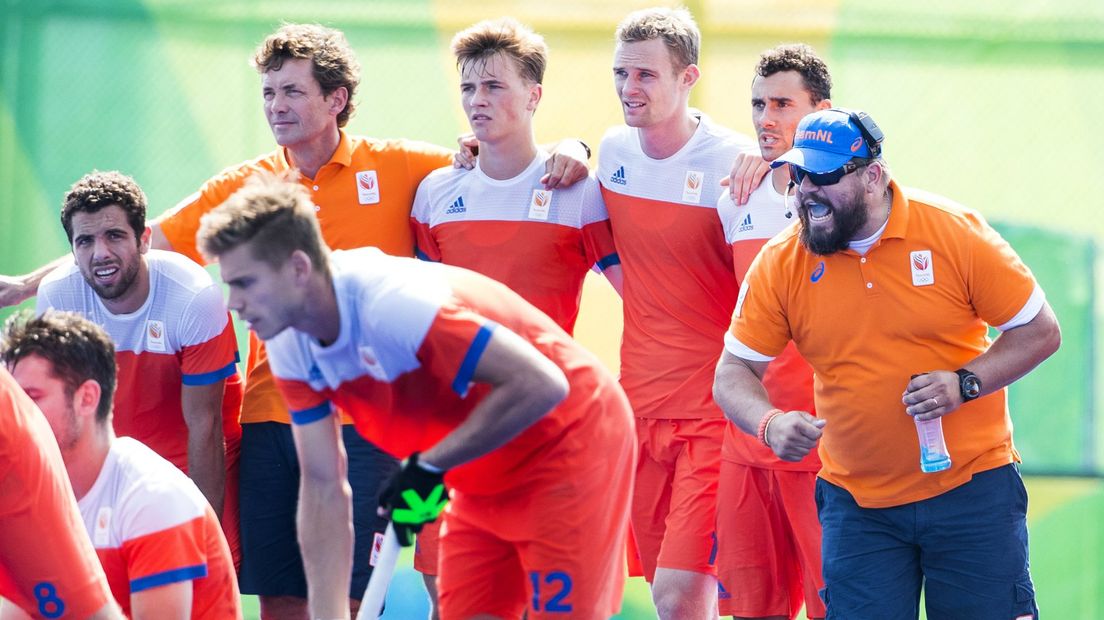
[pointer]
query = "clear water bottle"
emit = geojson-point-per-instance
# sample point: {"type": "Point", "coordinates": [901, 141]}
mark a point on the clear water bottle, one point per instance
{"type": "Point", "coordinates": [933, 448]}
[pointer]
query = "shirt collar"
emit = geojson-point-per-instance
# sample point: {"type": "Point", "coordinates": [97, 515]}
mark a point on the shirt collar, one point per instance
{"type": "Point", "coordinates": [898, 213]}
{"type": "Point", "coordinates": [343, 155]}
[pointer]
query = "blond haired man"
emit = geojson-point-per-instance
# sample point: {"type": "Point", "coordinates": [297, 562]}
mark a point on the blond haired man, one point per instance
{"type": "Point", "coordinates": [660, 175]}
{"type": "Point", "coordinates": [498, 218]}
{"type": "Point", "coordinates": [450, 368]}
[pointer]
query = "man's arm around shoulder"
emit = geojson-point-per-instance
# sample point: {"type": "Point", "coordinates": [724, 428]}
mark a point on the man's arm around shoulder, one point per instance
{"type": "Point", "coordinates": [15, 290]}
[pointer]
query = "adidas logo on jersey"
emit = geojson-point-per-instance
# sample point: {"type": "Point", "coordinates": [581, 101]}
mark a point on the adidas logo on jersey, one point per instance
{"type": "Point", "coordinates": [456, 207]}
{"type": "Point", "coordinates": [746, 225]}
{"type": "Point", "coordinates": [618, 176]}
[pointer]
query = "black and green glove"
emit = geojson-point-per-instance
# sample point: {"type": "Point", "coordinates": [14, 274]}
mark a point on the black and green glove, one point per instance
{"type": "Point", "coordinates": [415, 496]}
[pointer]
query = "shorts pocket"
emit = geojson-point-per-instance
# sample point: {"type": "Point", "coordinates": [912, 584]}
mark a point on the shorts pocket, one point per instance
{"type": "Point", "coordinates": [1025, 608]}
{"type": "Point", "coordinates": [823, 592]}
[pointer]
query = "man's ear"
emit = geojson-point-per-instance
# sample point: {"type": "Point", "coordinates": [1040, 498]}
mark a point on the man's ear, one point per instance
{"type": "Point", "coordinates": [302, 265]}
{"type": "Point", "coordinates": [86, 398]}
{"type": "Point", "coordinates": [535, 92]}
{"type": "Point", "coordinates": [338, 99]}
{"type": "Point", "coordinates": [144, 240]}
{"type": "Point", "coordinates": [690, 76]}
{"type": "Point", "coordinates": [873, 176]}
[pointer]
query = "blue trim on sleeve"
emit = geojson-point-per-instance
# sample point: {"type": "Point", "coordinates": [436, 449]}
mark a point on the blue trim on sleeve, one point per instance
{"type": "Point", "coordinates": [208, 378]}
{"type": "Point", "coordinates": [420, 255]}
{"type": "Point", "coordinates": [471, 358]}
{"type": "Point", "coordinates": [314, 414]}
{"type": "Point", "coordinates": [176, 575]}
{"type": "Point", "coordinates": [609, 261]}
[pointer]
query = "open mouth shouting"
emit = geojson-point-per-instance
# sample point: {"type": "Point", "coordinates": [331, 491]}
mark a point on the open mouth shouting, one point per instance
{"type": "Point", "coordinates": [106, 275]}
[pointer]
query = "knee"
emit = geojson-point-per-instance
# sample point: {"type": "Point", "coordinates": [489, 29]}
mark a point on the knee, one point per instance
{"type": "Point", "coordinates": [678, 604]}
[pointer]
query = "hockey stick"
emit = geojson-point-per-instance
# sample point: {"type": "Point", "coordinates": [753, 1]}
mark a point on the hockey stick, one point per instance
{"type": "Point", "coordinates": [372, 603]}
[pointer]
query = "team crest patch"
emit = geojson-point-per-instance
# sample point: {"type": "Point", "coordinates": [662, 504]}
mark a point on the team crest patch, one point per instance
{"type": "Point", "coordinates": [155, 336]}
{"type": "Point", "coordinates": [539, 204]}
{"type": "Point", "coordinates": [101, 532]}
{"type": "Point", "coordinates": [923, 272]}
{"type": "Point", "coordinates": [692, 186]}
{"type": "Point", "coordinates": [367, 186]}
{"type": "Point", "coordinates": [371, 363]}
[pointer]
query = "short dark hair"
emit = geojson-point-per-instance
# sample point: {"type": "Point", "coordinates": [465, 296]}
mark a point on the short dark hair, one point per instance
{"type": "Point", "coordinates": [77, 349]}
{"type": "Point", "coordinates": [97, 190]}
{"type": "Point", "coordinates": [802, 59]}
{"type": "Point", "coordinates": [271, 210]}
{"type": "Point", "coordinates": [333, 62]}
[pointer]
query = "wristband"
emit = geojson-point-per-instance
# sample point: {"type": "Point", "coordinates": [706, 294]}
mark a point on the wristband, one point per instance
{"type": "Point", "coordinates": [768, 417]}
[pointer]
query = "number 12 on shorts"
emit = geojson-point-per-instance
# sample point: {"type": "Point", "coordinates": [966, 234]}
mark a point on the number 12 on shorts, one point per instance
{"type": "Point", "coordinates": [553, 589]}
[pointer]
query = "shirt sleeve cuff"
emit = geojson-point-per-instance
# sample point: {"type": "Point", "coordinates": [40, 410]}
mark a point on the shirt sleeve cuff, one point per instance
{"type": "Point", "coordinates": [742, 351]}
{"type": "Point", "coordinates": [1029, 311]}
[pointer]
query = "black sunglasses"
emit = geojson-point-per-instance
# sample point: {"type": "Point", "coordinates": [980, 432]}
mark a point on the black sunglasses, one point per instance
{"type": "Point", "coordinates": [820, 179]}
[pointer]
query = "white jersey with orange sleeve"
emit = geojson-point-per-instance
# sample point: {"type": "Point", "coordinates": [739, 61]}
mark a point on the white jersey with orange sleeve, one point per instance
{"type": "Point", "coordinates": [182, 335]}
{"type": "Point", "coordinates": [152, 527]}
{"type": "Point", "coordinates": [411, 336]}
{"type": "Point", "coordinates": [47, 565]}
{"type": "Point", "coordinates": [539, 242]}
{"type": "Point", "coordinates": [789, 378]}
{"type": "Point", "coordinates": [679, 288]}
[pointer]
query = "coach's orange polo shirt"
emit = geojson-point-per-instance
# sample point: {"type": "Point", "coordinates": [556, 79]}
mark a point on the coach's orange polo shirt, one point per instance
{"type": "Point", "coordinates": [363, 196]}
{"type": "Point", "coordinates": [919, 300]}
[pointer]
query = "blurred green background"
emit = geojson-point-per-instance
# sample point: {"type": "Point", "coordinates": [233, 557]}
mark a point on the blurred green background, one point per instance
{"type": "Point", "coordinates": [992, 103]}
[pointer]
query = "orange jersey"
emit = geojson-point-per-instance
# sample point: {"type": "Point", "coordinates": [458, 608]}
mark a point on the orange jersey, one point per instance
{"type": "Point", "coordinates": [363, 195]}
{"type": "Point", "coordinates": [540, 243]}
{"type": "Point", "coordinates": [47, 565]}
{"type": "Point", "coordinates": [789, 378]}
{"type": "Point", "coordinates": [152, 527]}
{"type": "Point", "coordinates": [412, 334]}
{"type": "Point", "coordinates": [182, 335]}
{"type": "Point", "coordinates": [920, 299]}
{"type": "Point", "coordinates": [679, 287]}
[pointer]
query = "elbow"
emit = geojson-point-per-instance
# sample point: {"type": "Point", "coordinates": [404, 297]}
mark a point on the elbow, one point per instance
{"type": "Point", "coordinates": [718, 383]}
{"type": "Point", "coordinates": [718, 395]}
{"type": "Point", "coordinates": [206, 437]}
{"type": "Point", "coordinates": [549, 390]}
{"type": "Point", "coordinates": [1054, 340]}
{"type": "Point", "coordinates": [203, 423]}
{"type": "Point", "coordinates": [1052, 335]}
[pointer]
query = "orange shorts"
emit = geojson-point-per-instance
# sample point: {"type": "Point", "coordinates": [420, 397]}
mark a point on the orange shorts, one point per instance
{"type": "Point", "coordinates": [675, 501]}
{"type": "Point", "coordinates": [554, 548]}
{"type": "Point", "coordinates": [425, 548]}
{"type": "Point", "coordinates": [768, 543]}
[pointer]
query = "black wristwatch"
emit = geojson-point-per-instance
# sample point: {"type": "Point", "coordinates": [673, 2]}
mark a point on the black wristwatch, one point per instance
{"type": "Point", "coordinates": [968, 385]}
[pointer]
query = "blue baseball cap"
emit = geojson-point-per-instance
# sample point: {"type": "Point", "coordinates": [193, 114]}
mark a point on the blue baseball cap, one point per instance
{"type": "Point", "coordinates": [825, 140]}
